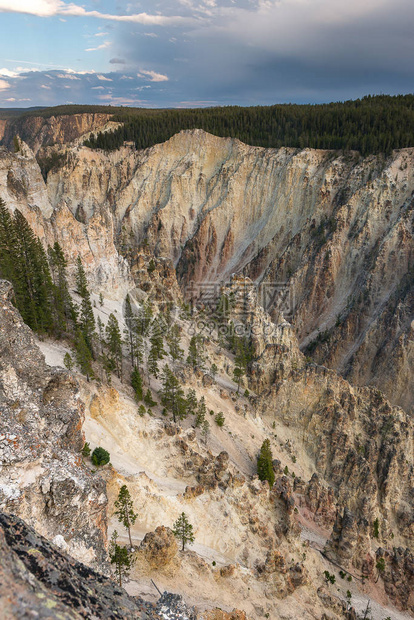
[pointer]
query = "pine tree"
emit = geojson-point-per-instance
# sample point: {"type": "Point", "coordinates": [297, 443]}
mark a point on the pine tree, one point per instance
{"type": "Point", "coordinates": [125, 510]}
{"type": "Point", "coordinates": [156, 339]}
{"type": "Point", "coordinates": [144, 318]}
{"type": "Point", "coordinates": [265, 463]}
{"type": "Point", "coordinates": [34, 281]}
{"type": "Point", "coordinates": [62, 300]}
{"type": "Point", "coordinates": [81, 281]}
{"type": "Point", "coordinates": [173, 341]}
{"type": "Point", "coordinates": [8, 246]}
{"type": "Point", "coordinates": [114, 343]}
{"type": "Point", "coordinates": [191, 402]}
{"type": "Point", "coordinates": [195, 358]}
{"type": "Point", "coordinates": [86, 316]}
{"type": "Point", "coordinates": [120, 557]}
{"type": "Point", "coordinates": [183, 530]}
{"type": "Point", "coordinates": [136, 382]}
{"type": "Point", "coordinates": [240, 365]}
{"type": "Point", "coordinates": [101, 333]}
{"type": "Point", "coordinates": [87, 321]}
{"type": "Point", "coordinates": [83, 355]}
{"type": "Point", "coordinates": [201, 412]}
{"type": "Point", "coordinates": [205, 430]}
{"type": "Point", "coordinates": [152, 365]}
{"type": "Point", "coordinates": [130, 328]}
{"type": "Point", "coordinates": [148, 399]}
{"type": "Point", "coordinates": [68, 361]}
{"type": "Point", "coordinates": [172, 394]}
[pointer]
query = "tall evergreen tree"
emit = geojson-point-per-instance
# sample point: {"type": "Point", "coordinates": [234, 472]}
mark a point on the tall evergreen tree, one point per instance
{"type": "Point", "coordinates": [183, 530]}
{"type": "Point", "coordinates": [172, 394]}
{"type": "Point", "coordinates": [83, 355]}
{"type": "Point", "coordinates": [81, 281]}
{"type": "Point", "coordinates": [191, 402]}
{"type": "Point", "coordinates": [173, 341]}
{"type": "Point", "coordinates": [239, 363]}
{"type": "Point", "coordinates": [265, 463]}
{"type": "Point", "coordinates": [63, 305]}
{"type": "Point", "coordinates": [125, 510]}
{"type": "Point", "coordinates": [119, 556]}
{"type": "Point", "coordinates": [136, 382]}
{"type": "Point", "coordinates": [195, 357]}
{"type": "Point", "coordinates": [86, 317]}
{"type": "Point", "coordinates": [158, 329]}
{"type": "Point", "coordinates": [114, 343]}
{"type": "Point", "coordinates": [34, 282]}
{"type": "Point", "coordinates": [201, 412]}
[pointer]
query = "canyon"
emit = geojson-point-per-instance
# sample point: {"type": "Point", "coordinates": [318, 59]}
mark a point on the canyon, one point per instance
{"type": "Point", "coordinates": [315, 248]}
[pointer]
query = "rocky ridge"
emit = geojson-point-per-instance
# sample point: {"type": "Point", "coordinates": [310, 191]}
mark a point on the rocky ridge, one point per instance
{"type": "Point", "coordinates": [42, 478]}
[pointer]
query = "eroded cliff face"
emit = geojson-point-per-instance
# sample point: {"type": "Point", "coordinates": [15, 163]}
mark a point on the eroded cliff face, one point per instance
{"type": "Point", "coordinates": [22, 187]}
{"type": "Point", "coordinates": [40, 132]}
{"type": "Point", "coordinates": [337, 230]}
{"type": "Point", "coordinates": [42, 478]}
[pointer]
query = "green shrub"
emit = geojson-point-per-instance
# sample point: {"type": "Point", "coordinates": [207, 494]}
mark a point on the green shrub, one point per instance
{"type": "Point", "coordinates": [219, 419]}
{"type": "Point", "coordinates": [100, 457]}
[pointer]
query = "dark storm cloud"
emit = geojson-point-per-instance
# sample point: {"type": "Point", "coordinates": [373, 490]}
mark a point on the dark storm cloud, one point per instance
{"type": "Point", "coordinates": [291, 50]}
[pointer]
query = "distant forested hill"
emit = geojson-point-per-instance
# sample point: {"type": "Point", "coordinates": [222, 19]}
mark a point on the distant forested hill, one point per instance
{"type": "Point", "coordinates": [374, 124]}
{"type": "Point", "coordinates": [370, 125]}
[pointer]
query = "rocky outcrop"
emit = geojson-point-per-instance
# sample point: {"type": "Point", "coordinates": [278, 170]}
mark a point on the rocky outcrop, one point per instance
{"type": "Point", "coordinates": [158, 548]}
{"type": "Point", "coordinates": [319, 500]}
{"type": "Point", "coordinates": [42, 478]}
{"type": "Point", "coordinates": [350, 543]}
{"type": "Point", "coordinates": [397, 574]}
{"type": "Point", "coordinates": [39, 580]}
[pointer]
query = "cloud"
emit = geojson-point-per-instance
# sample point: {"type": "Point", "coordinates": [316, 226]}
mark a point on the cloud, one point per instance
{"type": "Point", "coordinates": [67, 76]}
{"type": "Point", "coordinates": [153, 76]}
{"type": "Point", "coordinates": [51, 8]}
{"type": "Point", "coordinates": [4, 85]}
{"type": "Point", "coordinates": [104, 45]}
{"type": "Point", "coordinates": [117, 61]}
{"type": "Point", "coordinates": [8, 73]}
{"type": "Point", "coordinates": [103, 78]}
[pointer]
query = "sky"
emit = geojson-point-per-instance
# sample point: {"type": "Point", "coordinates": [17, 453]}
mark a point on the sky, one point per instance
{"type": "Point", "coordinates": [195, 53]}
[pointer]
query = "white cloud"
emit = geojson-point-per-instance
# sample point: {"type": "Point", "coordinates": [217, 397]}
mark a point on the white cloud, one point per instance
{"type": "Point", "coordinates": [103, 78]}
{"type": "Point", "coordinates": [101, 34]}
{"type": "Point", "coordinates": [4, 85]}
{"type": "Point", "coordinates": [8, 73]}
{"type": "Point", "coordinates": [45, 87]}
{"type": "Point", "coordinates": [99, 47]}
{"type": "Point", "coordinates": [50, 8]}
{"type": "Point", "coordinates": [11, 99]}
{"type": "Point", "coordinates": [152, 76]}
{"type": "Point", "coordinates": [98, 87]}
{"type": "Point", "coordinates": [66, 76]}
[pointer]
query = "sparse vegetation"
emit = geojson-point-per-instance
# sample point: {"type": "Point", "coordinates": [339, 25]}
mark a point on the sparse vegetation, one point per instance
{"type": "Point", "coordinates": [265, 463]}
{"type": "Point", "coordinates": [100, 457]}
{"type": "Point", "coordinates": [183, 530]}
